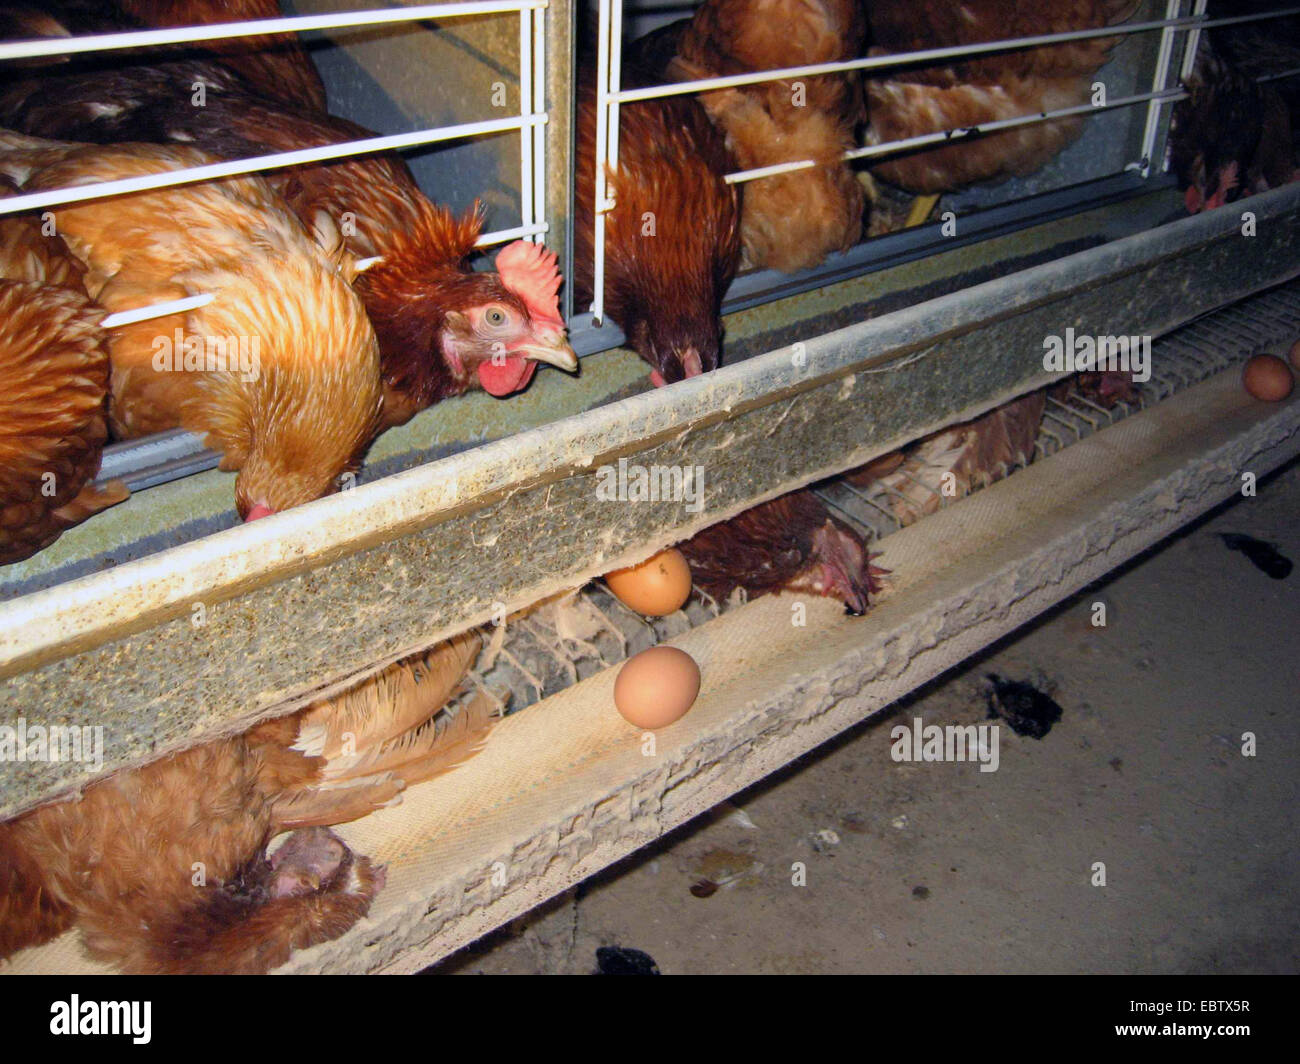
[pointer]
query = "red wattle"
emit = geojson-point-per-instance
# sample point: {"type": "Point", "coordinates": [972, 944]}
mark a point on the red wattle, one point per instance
{"type": "Point", "coordinates": [511, 375]}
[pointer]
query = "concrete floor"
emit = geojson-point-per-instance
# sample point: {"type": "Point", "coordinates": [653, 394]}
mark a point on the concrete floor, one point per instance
{"type": "Point", "coordinates": [937, 867]}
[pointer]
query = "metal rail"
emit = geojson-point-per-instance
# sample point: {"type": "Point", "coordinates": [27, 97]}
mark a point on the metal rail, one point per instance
{"type": "Point", "coordinates": [551, 646]}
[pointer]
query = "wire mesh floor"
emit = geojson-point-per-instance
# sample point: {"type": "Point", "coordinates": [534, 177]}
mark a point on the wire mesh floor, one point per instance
{"type": "Point", "coordinates": [556, 643]}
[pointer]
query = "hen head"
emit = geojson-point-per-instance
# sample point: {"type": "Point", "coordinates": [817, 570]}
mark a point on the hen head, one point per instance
{"type": "Point", "coordinates": [667, 291]}
{"type": "Point", "coordinates": [297, 459]}
{"type": "Point", "coordinates": [676, 352]}
{"type": "Point", "coordinates": [507, 322]}
{"type": "Point", "coordinates": [444, 328]}
{"type": "Point", "coordinates": [299, 407]}
{"type": "Point", "coordinates": [1214, 132]}
{"type": "Point", "coordinates": [840, 568]}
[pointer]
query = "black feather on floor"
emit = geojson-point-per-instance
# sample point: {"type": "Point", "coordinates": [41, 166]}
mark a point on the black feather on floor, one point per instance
{"type": "Point", "coordinates": [1023, 706]}
{"type": "Point", "coordinates": [1265, 557]}
{"type": "Point", "coordinates": [616, 960]}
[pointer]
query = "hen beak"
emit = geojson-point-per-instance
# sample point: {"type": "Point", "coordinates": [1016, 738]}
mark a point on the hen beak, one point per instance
{"type": "Point", "coordinates": [554, 352]}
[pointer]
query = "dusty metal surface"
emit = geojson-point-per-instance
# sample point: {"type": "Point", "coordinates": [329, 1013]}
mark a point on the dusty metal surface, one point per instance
{"type": "Point", "coordinates": [299, 603]}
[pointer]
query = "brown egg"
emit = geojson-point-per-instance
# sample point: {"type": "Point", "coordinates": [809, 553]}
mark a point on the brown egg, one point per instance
{"type": "Point", "coordinates": [1294, 354]}
{"type": "Point", "coordinates": [656, 687]}
{"type": "Point", "coordinates": [1267, 377]}
{"type": "Point", "coordinates": [657, 587]}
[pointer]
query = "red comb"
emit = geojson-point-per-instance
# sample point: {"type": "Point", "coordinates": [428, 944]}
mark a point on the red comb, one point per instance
{"type": "Point", "coordinates": [533, 274]}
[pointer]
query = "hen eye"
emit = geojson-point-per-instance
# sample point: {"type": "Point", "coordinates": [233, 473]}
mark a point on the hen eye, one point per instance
{"type": "Point", "coordinates": [495, 316]}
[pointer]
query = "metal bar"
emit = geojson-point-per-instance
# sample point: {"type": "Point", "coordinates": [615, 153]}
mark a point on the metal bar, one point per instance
{"type": "Point", "coordinates": [526, 172]}
{"type": "Point", "coordinates": [928, 55]}
{"type": "Point", "coordinates": [275, 161]}
{"type": "Point", "coordinates": [1158, 84]}
{"type": "Point", "coordinates": [949, 136]}
{"type": "Point", "coordinates": [154, 310]}
{"type": "Point", "coordinates": [539, 104]}
{"type": "Point", "coordinates": [1278, 76]}
{"type": "Point", "coordinates": [600, 191]}
{"type": "Point", "coordinates": [500, 236]}
{"type": "Point", "coordinates": [615, 80]}
{"type": "Point", "coordinates": [103, 42]}
{"type": "Point", "coordinates": [1193, 43]}
{"type": "Point", "coordinates": [156, 459]}
{"type": "Point", "coordinates": [559, 100]}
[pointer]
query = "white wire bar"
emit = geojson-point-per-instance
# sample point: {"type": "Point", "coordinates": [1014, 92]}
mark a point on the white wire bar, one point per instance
{"type": "Point", "coordinates": [103, 42]}
{"type": "Point", "coordinates": [539, 130]}
{"type": "Point", "coordinates": [231, 168]}
{"type": "Point", "coordinates": [519, 232]}
{"type": "Point", "coordinates": [1159, 82]}
{"type": "Point", "coordinates": [1193, 42]}
{"type": "Point", "coordinates": [609, 96]}
{"type": "Point", "coordinates": [901, 59]}
{"type": "Point", "coordinates": [530, 123]}
{"type": "Point", "coordinates": [952, 136]}
{"type": "Point", "coordinates": [1278, 76]}
{"type": "Point", "coordinates": [155, 310]}
{"type": "Point", "coordinates": [526, 169]}
{"type": "Point", "coordinates": [606, 110]}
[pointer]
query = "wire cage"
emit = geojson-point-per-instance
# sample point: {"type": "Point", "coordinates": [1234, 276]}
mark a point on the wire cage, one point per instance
{"type": "Point", "coordinates": [478, 509]}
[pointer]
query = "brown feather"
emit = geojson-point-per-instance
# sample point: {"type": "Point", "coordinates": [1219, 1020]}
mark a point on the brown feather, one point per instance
{"type": "Point", "coordinates": [277, 65]}
{"type": "Point", "coordinates": [912, 101]}
{"type": "Point", "coordinates": [672, 242]}
{"type": "Point", "coordinates": [164, 868]}
{"type": "Point", "coordinates": [791, 221]}
{"type": "Point", "coordinates": [311, 407]}
{"type": "Point", "coordinates": [53, 393]}
{"type": "Point", "coordinates": [392, 702]}
{"type": "Point", "coordinates": [953, 462]}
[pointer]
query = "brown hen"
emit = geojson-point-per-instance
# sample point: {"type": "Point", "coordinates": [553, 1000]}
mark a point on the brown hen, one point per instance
{"type": "Point", "coordinates": [672, 241]}
{"type": "Point", "coordinates": [790, 543]}
{"type": "Point", "coordinates": [955, 461]}
{"type": "Point", "coordinates": [794, 220]}
{"type": "Point", "coordinates": [442, 327]}
{"type": "Point", "coordinates": [912, 100]}
{"type": "Point", "coordinates": [53, 391]}
{"type": "Point", "coordinates": [165, 869]}
{"type": "Point", "coordinates": [280, 371]}
{"type": "Point", "coordinates": [1231, 137]}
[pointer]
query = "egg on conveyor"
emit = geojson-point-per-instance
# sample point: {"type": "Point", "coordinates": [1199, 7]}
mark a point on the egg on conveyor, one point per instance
{"type": "Point", "coordinates": [657, 587]}
{"type": "Point", "coordinates": [656, 687]}
{"type": "Point", "coordinates": [1267, 377]}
